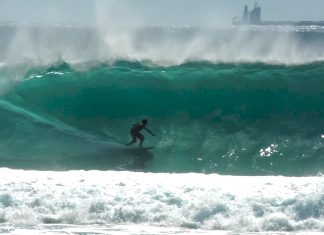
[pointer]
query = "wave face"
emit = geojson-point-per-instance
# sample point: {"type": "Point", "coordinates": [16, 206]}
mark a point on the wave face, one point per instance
{"type": "Point", "coordinates": [235, 119]}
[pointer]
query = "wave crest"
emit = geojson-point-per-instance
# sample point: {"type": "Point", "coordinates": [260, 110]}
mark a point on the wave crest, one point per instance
{"type": "Point", "coordinates": [161, 46]}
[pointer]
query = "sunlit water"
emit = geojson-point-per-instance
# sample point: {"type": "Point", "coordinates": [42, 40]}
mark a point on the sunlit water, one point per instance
{"type": "Point", "coordinates": [238, 113]}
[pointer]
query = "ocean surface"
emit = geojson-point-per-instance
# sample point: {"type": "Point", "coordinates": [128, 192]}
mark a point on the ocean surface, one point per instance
{"type": "Point", "coordinates": [238, 114]}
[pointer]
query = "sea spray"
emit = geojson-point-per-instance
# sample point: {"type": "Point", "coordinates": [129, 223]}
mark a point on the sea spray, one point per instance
{"type": "Point", "coordinates": [238, 114]}
{"type": "Point", "coordinates": [48, 45]}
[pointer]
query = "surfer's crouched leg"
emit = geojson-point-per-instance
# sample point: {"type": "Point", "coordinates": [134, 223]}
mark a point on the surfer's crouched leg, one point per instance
{"type": "Point", "coordinates": [141, 137]}
{"type": "Point", "coordinates": [133, 139]}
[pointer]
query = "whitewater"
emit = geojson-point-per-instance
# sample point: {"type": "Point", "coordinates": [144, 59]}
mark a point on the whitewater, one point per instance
{"type": "Point", "coordinates": [238, 113]}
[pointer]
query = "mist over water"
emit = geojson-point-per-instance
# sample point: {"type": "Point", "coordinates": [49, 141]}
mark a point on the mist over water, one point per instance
{"type": "Point", "coordinates": [232, 107]}
{"type": "Point", "coordinates": [230, 100]}
{"type": "Point", "coordinates": [46, 46]}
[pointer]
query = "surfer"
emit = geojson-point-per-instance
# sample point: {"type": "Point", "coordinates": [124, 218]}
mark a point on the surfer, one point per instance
{"type": "Point", "coordinates": [135, 132]}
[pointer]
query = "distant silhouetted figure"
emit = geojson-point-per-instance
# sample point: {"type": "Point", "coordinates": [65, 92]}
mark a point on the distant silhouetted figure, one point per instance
{"type": "Point", "coordinates": [135, 132]}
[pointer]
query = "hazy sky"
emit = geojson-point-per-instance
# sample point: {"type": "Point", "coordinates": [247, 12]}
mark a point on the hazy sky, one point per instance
{"type": "Point", "coordinates": [154, 12]}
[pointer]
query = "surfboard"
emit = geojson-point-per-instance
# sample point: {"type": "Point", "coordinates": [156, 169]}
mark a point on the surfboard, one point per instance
{"type": "Point", "coordinates": [142, 148]}
{"type": "Point", "coordinates": [148, 148]}
{"type": "Point", "coordinates": [145, 148]}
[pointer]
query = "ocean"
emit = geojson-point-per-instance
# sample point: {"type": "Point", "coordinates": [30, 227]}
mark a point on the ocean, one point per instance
{"type": "Point", "coordinates": [238, 114]}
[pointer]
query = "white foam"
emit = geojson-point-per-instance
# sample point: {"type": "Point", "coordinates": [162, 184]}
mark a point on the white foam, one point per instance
{"type": "Point", "coordinates": [211, 202]}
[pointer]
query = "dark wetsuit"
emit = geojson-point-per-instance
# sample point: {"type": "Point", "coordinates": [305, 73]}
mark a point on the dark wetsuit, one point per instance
{"type": "Point", "coordinates": [135, 132]}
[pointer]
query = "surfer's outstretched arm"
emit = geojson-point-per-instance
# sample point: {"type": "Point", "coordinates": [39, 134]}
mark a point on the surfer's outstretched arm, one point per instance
{"type": "Point", "coordinates": [149, 131]}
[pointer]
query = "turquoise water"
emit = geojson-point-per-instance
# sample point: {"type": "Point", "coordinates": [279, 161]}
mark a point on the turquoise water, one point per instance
{"type": "Point", "coordinates": [249, 118]}
{"type": "Point", "coordinates": [238, 113]}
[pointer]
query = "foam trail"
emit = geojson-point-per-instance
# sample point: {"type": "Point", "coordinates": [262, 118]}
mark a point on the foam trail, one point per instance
{"type": "Point", "coordinates": [210, 202]}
